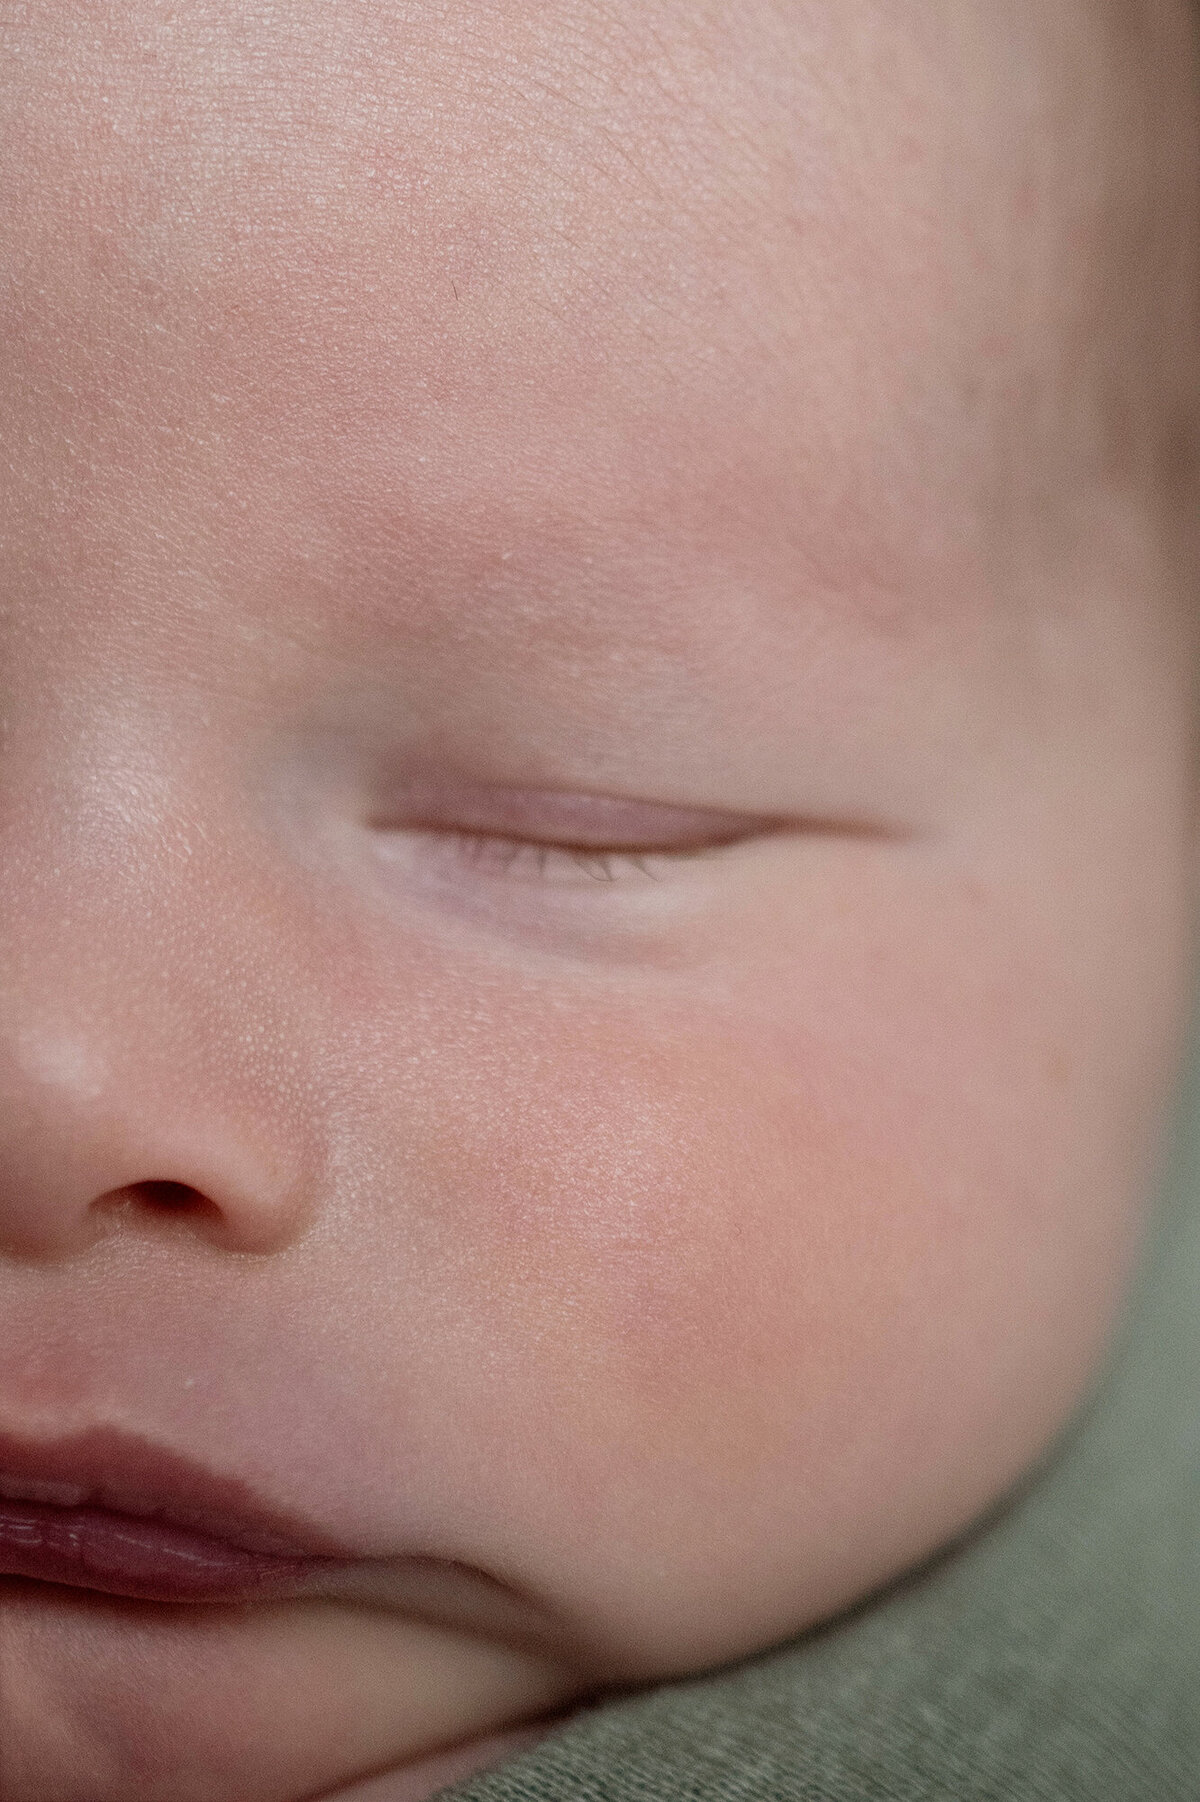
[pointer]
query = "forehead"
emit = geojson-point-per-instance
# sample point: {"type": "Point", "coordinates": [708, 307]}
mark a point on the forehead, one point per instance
{"type": "Point", "coordinates": [698, 280]}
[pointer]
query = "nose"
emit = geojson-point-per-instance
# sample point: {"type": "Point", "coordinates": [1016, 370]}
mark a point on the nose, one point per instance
{"type": "Point", "coordinates": [143, 1026]}
{"type": "Point", "coordinates": [91, 1146]}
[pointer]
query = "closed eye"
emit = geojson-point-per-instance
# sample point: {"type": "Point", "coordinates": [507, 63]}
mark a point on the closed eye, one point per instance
{"type": "Point", "coordinates": [547, 835]}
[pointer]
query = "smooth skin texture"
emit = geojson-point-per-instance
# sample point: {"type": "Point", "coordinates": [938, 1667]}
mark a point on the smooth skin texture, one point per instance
{"type": "Point", "coordinates": [597, 766]}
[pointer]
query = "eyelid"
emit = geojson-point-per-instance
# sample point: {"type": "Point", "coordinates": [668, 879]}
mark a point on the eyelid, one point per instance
{"type": "Point", "coordinates": [555, 818]}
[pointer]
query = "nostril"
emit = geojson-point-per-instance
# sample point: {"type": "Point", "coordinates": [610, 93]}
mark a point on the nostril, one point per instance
{"type": "Point", "coordinates": [157, 1197]}
{"type": "Point", "coordinates": [167, 1197]}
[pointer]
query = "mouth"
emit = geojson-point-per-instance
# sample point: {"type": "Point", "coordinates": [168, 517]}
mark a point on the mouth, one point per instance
{"type": "Point", "coordinates": [109, 1511]}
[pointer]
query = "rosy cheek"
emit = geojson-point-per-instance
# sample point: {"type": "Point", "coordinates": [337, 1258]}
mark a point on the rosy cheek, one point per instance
{"type": "Point", "coordinates": [713, 1242]}
{"type": "Point", "coordinates": [662, 1218]}
{"type": "Point", "coordinates": [798, 1240]}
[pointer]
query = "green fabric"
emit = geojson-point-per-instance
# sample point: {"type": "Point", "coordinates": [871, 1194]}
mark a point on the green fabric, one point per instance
{"type": "Point", "coordinates": [1054, 1654]}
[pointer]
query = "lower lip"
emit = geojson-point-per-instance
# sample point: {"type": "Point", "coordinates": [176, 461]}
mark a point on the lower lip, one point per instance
{"type": "Point", "coordinates": [126, 1555]}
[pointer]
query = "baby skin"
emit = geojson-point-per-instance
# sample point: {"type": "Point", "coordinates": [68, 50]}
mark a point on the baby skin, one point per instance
{"type": "Point", "coordinates": [596, 838]}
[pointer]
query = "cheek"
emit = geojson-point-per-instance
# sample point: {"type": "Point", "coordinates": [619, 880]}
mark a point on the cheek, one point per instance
{"type": "Point", "coordinates": [667, 1239]}
{"type": "Point", "coordinates": [741, 1291]}
{"type": "Point", "coordinates": [704, 1295]}
{"type": "Point", "coordinates": [686, 1199]}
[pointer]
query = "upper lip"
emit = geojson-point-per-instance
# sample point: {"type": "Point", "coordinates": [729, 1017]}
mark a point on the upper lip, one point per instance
{"type": "Point", "coordinates": [111, 1468]}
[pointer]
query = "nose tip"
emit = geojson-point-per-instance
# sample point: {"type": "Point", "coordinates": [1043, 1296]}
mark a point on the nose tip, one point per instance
{"type": "Point", "coordinates": [86, 1153]}
{"type": "Point", "coordinates": [156, 988]}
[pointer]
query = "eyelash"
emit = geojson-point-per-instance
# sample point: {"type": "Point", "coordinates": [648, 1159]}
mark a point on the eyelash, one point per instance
{"type": "Point", "coordinates": [512, 856]}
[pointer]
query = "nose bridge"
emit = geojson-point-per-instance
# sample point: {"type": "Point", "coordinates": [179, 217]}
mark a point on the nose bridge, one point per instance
{"type": "Point", "coordinates": [143, 1016]}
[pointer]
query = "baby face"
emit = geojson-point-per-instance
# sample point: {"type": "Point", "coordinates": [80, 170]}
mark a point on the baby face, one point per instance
{"type": "Point", "coordinates": [593, 889]}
